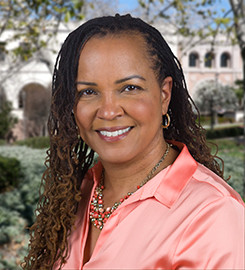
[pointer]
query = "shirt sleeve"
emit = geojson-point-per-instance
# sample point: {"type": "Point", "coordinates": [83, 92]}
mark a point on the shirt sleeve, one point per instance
{"type": "Point", "coordinates": [214, 239]}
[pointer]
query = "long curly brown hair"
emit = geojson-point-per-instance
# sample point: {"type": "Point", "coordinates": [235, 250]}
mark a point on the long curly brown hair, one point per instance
{"type": "Point", "coordinates": [69, 158]}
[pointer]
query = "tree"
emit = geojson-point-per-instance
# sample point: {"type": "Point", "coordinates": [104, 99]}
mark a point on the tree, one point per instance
{"type": "Point", "coordinates": [213, 98]}
{"type": "Point", "coordinates": [238, 89]}
{"type": "Point", "coordinates": [7, 121]}
{"type": "Point", "coordinates": [27, 27]}
{"type": "Point", "coordinates": [209, 21]}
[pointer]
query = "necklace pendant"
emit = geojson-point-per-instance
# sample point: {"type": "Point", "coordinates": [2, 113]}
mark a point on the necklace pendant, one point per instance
{"type": "Point", "coordinates": [98, 215]}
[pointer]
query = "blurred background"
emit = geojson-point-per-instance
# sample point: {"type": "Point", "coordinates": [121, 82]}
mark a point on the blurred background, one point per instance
{"type": "Point", "coordinates": [207, 36]}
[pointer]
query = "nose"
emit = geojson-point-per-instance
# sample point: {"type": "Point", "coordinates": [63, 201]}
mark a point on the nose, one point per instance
{"type": "Point", "coordinates": [109, 108]}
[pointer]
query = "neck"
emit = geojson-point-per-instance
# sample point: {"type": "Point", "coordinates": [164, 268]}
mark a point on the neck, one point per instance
{"type": "Point", "coordinates": [119, 179]}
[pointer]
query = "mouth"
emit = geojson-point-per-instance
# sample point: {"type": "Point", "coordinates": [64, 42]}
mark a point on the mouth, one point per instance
{"type": "Point", "coordinates": [113, 134]}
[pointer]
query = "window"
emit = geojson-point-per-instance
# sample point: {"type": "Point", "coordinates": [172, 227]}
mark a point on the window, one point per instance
{"type": "Point", "coordinates": [225, 60]}
{"type": "Point", "coordinates": [2, 97]}
{"type": "Point", "coordinates": [193, 60]}
{"type": "Point", "coordinates": [2, 51]}
{"type": "Point", "coordinates": [21, 99]}
{"type": "Point", "coordinates": [209, 60]}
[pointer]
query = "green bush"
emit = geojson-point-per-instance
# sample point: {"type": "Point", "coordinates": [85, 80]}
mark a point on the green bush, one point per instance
{"type": "Point", "coordinates": [35, 142]}
{"type": "Point", "coordinates": [24, 199]}
{"type": "Point", "coordinates": [12, 234]}
{"type": "Point", "coordinates": [7, 121]}
{"type": "Point", "coordinates": [206, 119]}
{"type": "Point", "coordinates": [224, 132]}
{"type": "Point", "coordinates": [2, 142]}
{"type": "Point", "coordinates": [231, 151]}
{"type": "Point", "coordinates": [11, 226]}
{"type": "Point", "coordinates": [234, 171]}
{"type": "Point", "coordinates": [17, 206]}
{"type": "Point", "coordinates": [10, 173]}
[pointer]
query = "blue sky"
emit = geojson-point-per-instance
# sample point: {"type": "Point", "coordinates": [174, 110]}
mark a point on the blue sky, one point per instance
{"type": "Point", "coordinates": [127, 5]}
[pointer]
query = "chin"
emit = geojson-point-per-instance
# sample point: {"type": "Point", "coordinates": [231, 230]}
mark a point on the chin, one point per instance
{"type": "Point", "coordinates": [115, 158]}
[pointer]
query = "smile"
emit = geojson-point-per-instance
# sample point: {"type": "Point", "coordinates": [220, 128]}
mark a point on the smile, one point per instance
{"type": "Point", "coordinates": [114, 133]}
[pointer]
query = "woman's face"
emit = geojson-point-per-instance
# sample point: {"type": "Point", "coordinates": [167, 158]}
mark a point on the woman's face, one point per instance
{"type": "Point", "coordinates": [120, 106]}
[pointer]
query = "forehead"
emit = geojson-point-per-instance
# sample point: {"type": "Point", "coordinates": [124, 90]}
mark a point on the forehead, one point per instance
{"type": "Point", "coordinates": [118, 51]}
{"type": "Point", "coordinates": [126, 42]}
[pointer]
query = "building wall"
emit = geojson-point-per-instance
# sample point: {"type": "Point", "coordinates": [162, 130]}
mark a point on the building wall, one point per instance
{"type": "Point", "coordinates": [224, 75]}
{"type": "Point", "coordinates": [13, 80]}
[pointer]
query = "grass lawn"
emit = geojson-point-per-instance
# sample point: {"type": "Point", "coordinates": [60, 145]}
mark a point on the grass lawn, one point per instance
{"type": "Point", "coordinates": [231, 150]}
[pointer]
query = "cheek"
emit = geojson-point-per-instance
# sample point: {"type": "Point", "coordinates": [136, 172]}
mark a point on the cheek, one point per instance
{"type": "Point", "coordinates": [83, 116]}
{"type": "Point", "coordinates": [146, 109]}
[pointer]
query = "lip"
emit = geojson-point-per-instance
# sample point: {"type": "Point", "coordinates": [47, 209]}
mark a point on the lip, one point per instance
{"type": "Point", "coordinates": [113, 129]}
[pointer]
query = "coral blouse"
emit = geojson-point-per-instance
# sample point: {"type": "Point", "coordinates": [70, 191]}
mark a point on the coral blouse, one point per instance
{"type": "Point", "coordinates": [186, 217]}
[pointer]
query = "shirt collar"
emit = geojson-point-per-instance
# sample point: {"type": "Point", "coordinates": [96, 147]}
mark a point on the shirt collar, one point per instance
{"type": "Point", "coordinates": [167, 185]}
{"type": "Point", "coordinates": [96, 172]}
{"type": "Point", "coordinates": [176, 176]}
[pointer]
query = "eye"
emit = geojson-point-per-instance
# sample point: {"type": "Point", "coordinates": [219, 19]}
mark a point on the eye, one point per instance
{"type": "Point", "coordinates": [87, 92]}
{"type": "Point", "coordinates": [131, 87]}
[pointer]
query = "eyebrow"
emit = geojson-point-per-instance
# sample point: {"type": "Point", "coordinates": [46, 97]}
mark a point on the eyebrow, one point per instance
{"type": "Point", "coordinates": [117, 81]}
{"type": "Point", "coordinates": [130, 77]}
{"type": "Point", "coordinates": [87, 83]}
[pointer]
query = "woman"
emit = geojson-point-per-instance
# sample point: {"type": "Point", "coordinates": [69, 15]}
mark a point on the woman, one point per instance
{"type": "Point", "coordinates": [155, 199]}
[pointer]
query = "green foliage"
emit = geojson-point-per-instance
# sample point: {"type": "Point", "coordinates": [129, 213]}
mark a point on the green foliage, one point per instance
{"type": "Point", "coordinates": [11, 226]}
{"type": "Point", "coordinates": [18, 205]}
{"type": "Point", "coordinates": [6, 119]}
{"type": "Point", "coordinates": [9, 264]}
{"type": "Point", "coordinates": [232, 154]}
{"type": "Point", "coordinates": [10, 173]}
{"type": "Point", "coordinates": [2, 142]}
{"type": "Point", "coordinates": [224, 132]}
{"type": "Point", "coordinates": [33, 20]}
{"type": "Point", "coordinates": [220, 21]}
{"type": "Point", "coordinates": [205, 119]}
{"type": "Point", "coordinates": [25, 197]}
{"type": "Point", "coordinates": [238, 89]}
{"type": "Point", "coordinates": [35, 142]}
{"type": "Point", "coordinates": [211, 95]}
{"type": "Point", "coordinates": [13, 240]}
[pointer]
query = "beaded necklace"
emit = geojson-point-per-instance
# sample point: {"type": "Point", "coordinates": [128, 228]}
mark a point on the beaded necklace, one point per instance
{"type": "Point", "coordinates": [98, 215]}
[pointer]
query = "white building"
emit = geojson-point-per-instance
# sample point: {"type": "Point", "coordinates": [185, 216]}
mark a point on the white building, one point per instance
{"type": "Point", "coordinates": [222, 63]}
{"type": "Point", "coordinates": [28, 85]}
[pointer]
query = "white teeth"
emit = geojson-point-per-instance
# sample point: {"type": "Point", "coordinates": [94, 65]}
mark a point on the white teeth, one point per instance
{"type": "Point", "coordinates": [114, 133]}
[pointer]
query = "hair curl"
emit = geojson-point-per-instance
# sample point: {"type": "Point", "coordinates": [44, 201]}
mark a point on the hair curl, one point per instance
{"type": "Point", "coordinates": [69, 158]}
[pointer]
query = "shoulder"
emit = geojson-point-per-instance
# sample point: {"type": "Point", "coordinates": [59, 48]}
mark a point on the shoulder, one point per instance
{"type": "Point", "coordinates": [215, 220]}
{"type": "Point", "coordinates": [211, 185]}
{"type": "Point", "coordinates": [207, 191]}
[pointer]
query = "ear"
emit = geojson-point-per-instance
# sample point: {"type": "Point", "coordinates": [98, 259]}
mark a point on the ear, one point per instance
{"type": "Point", "coordinates": [166, 93]}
